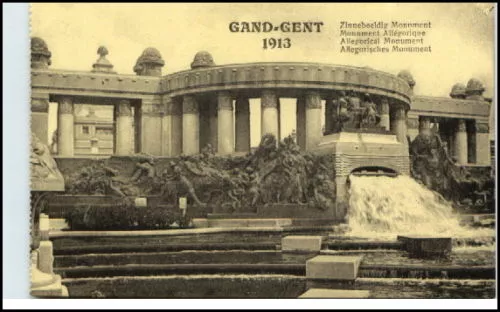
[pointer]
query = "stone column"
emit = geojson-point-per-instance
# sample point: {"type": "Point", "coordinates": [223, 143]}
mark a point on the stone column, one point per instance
{"type": "Point", "coordinates": [461, 142]}
{"type": "Point", "coordinates": [383, 109]}
{"type": "Point", "coordinates": [483, 149]}
{"type": "Point", "coordinates": [204, 124]}
{"type": "Point", "coordinates": [301, 122]}
{"type": "Point", "coordinates": [190, 126]}
{"type": "Point", "coordinates": [40, 116]}
{"type": "Point", "coordinates": [65, 127]}
{"type": "Point", "coordinates": [313, 119]}
{"type": "Point", "coordinates": [242, 125]}
{"type": "Point", "coordinates": [213, 123]}
{"type": "Point", "coordinates": [171, 125]}
{"type": "Point", "coordinates": [151, 125]}
{"type": "Point", "coordinates": [225, 134]}
{"type": "Point", "coordinates": [123, 128]}
{"type": "Point", "coordinates": [269, 113]}
{"type": "Point", "coordinates": [278, 138]}
{"type": "Point", "coordinates": [329, 108]}
{"type": "Point", "coordinates": [398, 126]}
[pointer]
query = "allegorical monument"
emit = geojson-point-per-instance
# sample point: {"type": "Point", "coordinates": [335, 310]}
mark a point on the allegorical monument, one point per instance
{"type": "Point", "coordinates": [371, 117]}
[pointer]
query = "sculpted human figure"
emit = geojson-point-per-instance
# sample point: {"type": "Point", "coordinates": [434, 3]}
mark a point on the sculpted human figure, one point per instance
{"type": "Point", "coordinates": [254, 182]}
{"type": "Point", "coordinates": [370, 116]}
{"type": "Point", "coordinates": [42, 164]}
{"type": "Point", "coordinates": [177, 174]}
{"type": "Point", "coordinates": [344, 115]}
{"type": "Point", "coordinates": [112, 181]}
{"type": "Point", "coordinates": [144, 168]}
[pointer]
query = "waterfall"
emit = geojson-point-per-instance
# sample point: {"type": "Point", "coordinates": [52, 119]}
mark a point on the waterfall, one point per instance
{"type": "Point", "coordinates": [389, 206]}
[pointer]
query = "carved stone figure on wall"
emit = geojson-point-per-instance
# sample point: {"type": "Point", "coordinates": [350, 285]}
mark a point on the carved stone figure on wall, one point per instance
{"type": "Point", "coordinates": [370, 116]}
{"type": "Point", "coordinates": [178, 172]}
{"type": "Point", "coordinates": [112, 183]}
{"type": "Point", "coordinates": [345, 110]}
{"type": "Point", "coordinates": [144, 168]}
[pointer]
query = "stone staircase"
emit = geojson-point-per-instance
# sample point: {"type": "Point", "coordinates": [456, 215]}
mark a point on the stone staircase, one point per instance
{"type": "Point", "coordinates": [226, 264]}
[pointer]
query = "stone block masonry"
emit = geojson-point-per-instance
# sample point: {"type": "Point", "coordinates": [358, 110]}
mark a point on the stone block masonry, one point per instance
{"type": "Point", "coordinates": [301, 243]}
{"type": "Point", "coordinates": [343, 268]}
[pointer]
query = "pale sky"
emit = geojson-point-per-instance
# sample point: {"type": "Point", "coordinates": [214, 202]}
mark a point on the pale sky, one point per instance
{"type": "Point", "coordinates": [462, 38]}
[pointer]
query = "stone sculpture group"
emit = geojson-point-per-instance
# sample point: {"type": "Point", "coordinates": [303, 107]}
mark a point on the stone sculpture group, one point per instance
{"type": "Point", "coordinates": [276, 172]}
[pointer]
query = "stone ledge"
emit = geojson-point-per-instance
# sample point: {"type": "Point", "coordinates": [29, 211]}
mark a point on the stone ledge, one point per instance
{"type": "Point", "coordinates": [333, 267]}
{"type": "Point", "coordinates": [323, 293]}
{"type": "Point", "coordinates": [301, 243]}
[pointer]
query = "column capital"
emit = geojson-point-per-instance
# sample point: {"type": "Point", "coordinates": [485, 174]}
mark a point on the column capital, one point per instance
{"type": "Point", "coordinates": [461, 126]}
{"type": "Point", "coordinates": [39, 102]}
{"type": "Point", "coordinates": [172, 107]}
{"type": "Point", "coordinates": [242, 105]}
{"type": "Point", "coordinates": [224, 101]}
{"type": "Point", "coordinates": [189, 105]}
{"type": "Point", "coordinates": [400, 113]}
{"type": "Point", "coordinates": [39, 105]}
{"type": "Point", "coordinates": [412, 123]}
{"type": "Point", "coordinates": [383, 106]}
{"type": "Point", "coordinates": [123, 108]}
{"type": "Point", "coordinates": [65, 105]}
{"type": "Point", "coordinates": [269, 99]}
{"type": "Point", "coordinates": [313, 100]}
{"type": "Point", "coordinates": [482, 127]}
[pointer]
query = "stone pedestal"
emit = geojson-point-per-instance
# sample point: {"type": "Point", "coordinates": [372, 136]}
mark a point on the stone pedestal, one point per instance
{"type": "Point", "coordinates": [44, 222]}
{"type": "Point", "coordinates": [242, 126]}
{"type": "Point", "coordinates": [123, 130]}
{"type": "Point", "coordinates": [190, 126]}
{"type": "Point", "coordinates": [313, 120]}
{"type": "Point", "coordinates": [300, 243]}
{"type": "Point", "coordinates": [45, 257]}
{"type": "Point", "coordinates": [343, 268]}
{"type": "Point", "coordinates": [43, 282]}
{"type": "Point", "coordinates": [65, 127]}
{"type": "Point", "coordinates": [269, 113]}
{"type": "Point", "coordinates": [461, 142]}
{"type": "Point", "coordinates": [225, 134]}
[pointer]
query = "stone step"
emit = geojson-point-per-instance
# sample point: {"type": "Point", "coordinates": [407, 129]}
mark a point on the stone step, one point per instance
{"type": "Point", "coordinates": [324, 293]}
{"type": "Point", "coordinates": [249, 222]}
{"type": "Point", "coordinates": [162, 247]}
{"type": "Point", "coordinates": [165, 269]}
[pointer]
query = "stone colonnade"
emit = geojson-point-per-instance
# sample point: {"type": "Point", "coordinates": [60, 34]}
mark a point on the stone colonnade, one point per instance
{"type": "Point", "coordinates": [467, 139]}
{"type": "Point", "coordinates": [185, 124]}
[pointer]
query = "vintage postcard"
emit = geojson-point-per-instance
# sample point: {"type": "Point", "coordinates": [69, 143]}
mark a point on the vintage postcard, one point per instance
{"type": "Point", "coordinates": [263, 150]}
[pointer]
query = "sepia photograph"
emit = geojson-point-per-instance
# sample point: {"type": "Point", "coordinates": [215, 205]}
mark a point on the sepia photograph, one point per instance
{"type": "Point", "coordinates": [262, 151]}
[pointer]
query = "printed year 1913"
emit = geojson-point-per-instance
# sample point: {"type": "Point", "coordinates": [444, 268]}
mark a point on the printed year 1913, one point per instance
{"type": "Point", "coordinates": [276, 43]}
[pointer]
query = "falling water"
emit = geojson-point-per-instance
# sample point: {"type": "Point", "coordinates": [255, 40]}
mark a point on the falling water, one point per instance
{"type": "Point", "coordinates": [384, 207]}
